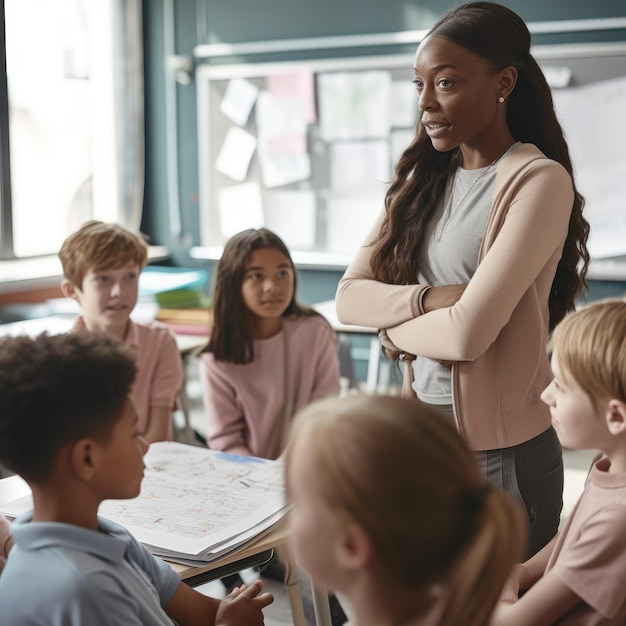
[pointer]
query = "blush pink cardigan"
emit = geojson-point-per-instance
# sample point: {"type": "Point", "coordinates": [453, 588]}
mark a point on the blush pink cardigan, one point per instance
{"type": "Point", "coordinates": [497, 332]}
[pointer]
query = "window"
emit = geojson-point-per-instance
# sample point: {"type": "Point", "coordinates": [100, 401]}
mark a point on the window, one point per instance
{"type": "Point", "coordinates": [72, 106]}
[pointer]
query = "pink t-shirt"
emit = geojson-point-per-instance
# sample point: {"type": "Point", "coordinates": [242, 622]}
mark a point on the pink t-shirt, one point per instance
{"type": "Point", "coordinates": [159, 367]}
{"type": "Point", "coordinates": [590, 554]}
{"type": "Point", "coordinates": [242, 401]}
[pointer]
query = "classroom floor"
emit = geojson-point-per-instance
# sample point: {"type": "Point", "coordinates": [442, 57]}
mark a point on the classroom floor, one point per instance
{"type": "Point", "coordinates": [279, 614]}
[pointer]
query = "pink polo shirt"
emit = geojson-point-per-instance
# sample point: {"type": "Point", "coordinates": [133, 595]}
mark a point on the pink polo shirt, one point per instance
{"type": "Point", "coordinates": [159, 367]}
{"type": "Point", "coordinates": [590, 553]}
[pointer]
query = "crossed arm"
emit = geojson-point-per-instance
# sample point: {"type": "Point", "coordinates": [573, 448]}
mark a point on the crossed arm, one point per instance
{"type": "Point", "coordinates": [462, 321]}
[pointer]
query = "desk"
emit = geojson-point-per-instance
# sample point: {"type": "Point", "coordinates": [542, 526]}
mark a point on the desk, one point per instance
{"type": "Point", "coordinates": [55, 324]}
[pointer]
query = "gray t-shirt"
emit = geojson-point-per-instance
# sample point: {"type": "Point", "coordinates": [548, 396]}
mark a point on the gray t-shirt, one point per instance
{"type": "Point", "coordinates": [449, 256]}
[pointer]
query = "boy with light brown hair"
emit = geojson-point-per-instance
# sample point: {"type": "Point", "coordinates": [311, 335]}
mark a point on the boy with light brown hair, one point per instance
{"type": "Point", "coordinates": [101, 266]}
{"type": "Point", "coordinates": [580, 576]}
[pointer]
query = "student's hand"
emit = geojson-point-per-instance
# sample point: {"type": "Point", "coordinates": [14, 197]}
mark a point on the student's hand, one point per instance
{"type": "Point", "coordinates": [242, 606]}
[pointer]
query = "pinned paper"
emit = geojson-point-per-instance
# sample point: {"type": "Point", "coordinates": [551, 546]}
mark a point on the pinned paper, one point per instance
{"type": "Point", "coordinates": [349, 217]}
{"type": "Point", "coordinates": [282, 141]}
{"type": "Point", "coordinates": [354, 164]}
{"type": "Point", "coordinates": [237, 150]}
{"type": "Point", "coordinates": [291, 214]}
{"type": "Point", "coordinates": [282, 169]}
{"type": "Point", "coordinates": [299, 86]}
{"type": "Point", "coordinates": [238, 100]}
{"type": "Point", "coordinates": [281, 125]}
{"type": "Point", "coordinates": [355, 105]}
{"type": "Point", "coordinates": [240, 207]}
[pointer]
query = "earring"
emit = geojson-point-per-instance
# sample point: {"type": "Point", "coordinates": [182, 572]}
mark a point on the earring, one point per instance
{"type": "Point", "coordinates": [501, 99]}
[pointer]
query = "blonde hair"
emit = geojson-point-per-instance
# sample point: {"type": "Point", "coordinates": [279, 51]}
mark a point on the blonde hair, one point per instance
{"type": "Point", "coordinates": [591, 347]}
{"type": "Point", "coordinates": [98, 246]}
{"type": "Point", "coordinates": [400, 471]}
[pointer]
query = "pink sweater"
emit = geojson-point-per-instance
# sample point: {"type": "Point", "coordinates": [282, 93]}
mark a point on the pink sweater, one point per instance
{"type": "Point", "coordinates": [497, 332]}
{"type": "Point", "coordinates": [242, 401]}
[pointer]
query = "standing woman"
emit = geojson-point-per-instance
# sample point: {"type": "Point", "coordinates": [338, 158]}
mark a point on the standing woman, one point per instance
{"type": "Point", "coordinates": [480, 251]}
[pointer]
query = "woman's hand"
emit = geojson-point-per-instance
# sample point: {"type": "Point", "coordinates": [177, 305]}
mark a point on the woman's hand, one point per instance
{"type": "Point", "coordinates": [434, 298]}
{"type": "Point", "coordinates": [442, 297]}
{"type": "Point", "coordinates": [395, 354]}
{"type": "Point", "coordinates": [390, 350]}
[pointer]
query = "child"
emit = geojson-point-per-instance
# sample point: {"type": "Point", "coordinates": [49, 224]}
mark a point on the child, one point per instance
{"type": "Point", "coordinates": [267, 356]}
{"type": "Point", "coordinates": [101, 266]}
{"type": "Point", "coordinates": [580, 576]}
{"type": "Point", "coordinates": [391, 509]}
{"type": "Point", "coordinates": [69, 427]}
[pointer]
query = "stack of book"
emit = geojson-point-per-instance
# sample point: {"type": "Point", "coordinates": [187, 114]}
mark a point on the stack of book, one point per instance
{"type": "Point", "coordinates": [190, 321]}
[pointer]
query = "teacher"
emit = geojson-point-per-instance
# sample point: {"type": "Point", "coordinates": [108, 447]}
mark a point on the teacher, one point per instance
{"type": "Point", "coordinates": [480, 251]}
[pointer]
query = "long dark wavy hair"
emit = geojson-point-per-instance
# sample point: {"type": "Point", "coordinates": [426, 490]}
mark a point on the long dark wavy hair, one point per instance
{"type": "Point", "coordinates": [231, 339]}
{"type": "Point", "coordinates": [500, 37]}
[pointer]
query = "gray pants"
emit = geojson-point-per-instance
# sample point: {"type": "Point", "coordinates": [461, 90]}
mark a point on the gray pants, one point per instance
{"type": "Point", "coordinates": [533, 473]}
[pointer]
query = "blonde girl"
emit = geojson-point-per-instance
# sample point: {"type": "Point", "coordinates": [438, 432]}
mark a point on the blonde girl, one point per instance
{"type": "Point", "coordinates": [391, 510]}
{"type": "Point", "coordinates": [268, 355]}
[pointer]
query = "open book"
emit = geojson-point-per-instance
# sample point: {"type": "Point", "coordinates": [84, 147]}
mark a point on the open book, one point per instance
{"type": "Point", "coordinates": [195, 505]}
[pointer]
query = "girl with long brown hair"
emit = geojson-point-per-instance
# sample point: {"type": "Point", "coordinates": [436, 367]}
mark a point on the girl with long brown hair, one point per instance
{"type": "Point", "coordinates": [268, 355]}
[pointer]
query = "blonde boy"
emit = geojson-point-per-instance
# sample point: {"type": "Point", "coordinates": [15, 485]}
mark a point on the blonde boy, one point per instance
{"type": "Point", "coordinates": [101, 266]}
{"type": "Point", "coordinates": [580, 576]}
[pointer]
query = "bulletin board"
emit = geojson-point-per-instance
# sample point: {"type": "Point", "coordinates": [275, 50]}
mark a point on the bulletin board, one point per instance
{"type": "Point", "coordinates": [331, 188]}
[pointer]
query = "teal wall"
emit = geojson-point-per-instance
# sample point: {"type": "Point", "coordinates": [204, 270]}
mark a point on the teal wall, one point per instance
{"type": "Point", "coordinates": [234, 21]}
{"type": "Point", "coordinates": [242, 20]}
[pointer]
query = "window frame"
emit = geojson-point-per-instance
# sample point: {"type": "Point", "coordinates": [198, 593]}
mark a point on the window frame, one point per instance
{"type": "Point", "coordinates": [129, 114]}
{"type": "Point", "coordinates": [6, 215]}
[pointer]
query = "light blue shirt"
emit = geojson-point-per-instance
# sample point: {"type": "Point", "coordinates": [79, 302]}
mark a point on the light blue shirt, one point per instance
{"type": "Point", "coordinates": [65, 575]}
